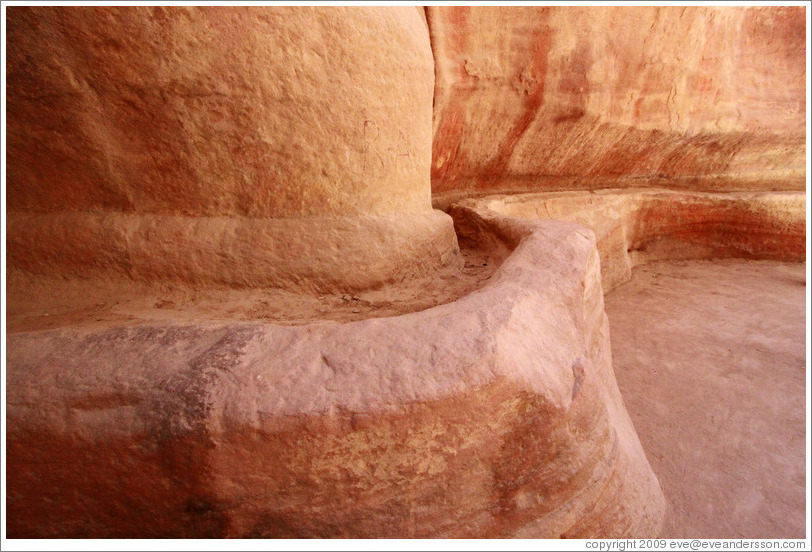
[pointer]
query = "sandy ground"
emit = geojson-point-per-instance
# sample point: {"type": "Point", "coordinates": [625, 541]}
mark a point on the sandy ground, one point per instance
{"type": "Point", "coordinates": [710, 358]}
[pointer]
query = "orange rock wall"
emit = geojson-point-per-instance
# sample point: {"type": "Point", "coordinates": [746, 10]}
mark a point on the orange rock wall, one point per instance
{"type": "Point", "coordinates": [282, 112]}
{"type": "Point", "coordinates": [591, 97]}
{"type": "Point", "coordinates": [241, 146]}
{"type": "Point", "coordinates": [638, 226]}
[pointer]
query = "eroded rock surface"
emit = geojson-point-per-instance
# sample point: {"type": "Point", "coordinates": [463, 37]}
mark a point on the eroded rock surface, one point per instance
{"type": "Point", "coordinates": [639, 226]}
{"type": "Point", "coordinates": [595, 97]}
{"type": "Point", "coordinates": [233, 146]}
{"type": "Point", "coordinates": [202, 198]}
{"type": "Point", "coordinates": [493, 416]}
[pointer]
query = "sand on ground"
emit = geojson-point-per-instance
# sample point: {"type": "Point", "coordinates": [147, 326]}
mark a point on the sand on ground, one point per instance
{"type": "Point", "coordinates": [710, 359]}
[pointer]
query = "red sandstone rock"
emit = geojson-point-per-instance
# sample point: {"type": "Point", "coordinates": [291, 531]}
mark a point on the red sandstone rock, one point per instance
{"type": "Point", "coordinates": [493, 416]}
{"type": "Point", "coordinates": [213, 145]}
{"type": "Point", "coordinates": [279, 112]}
{"type": "Point", "coordinates": [595, 97]}
{"type": "Point", "coordinates": [307, 255]}
{"type": "Point", "coordinates": [639, 226]}
{"type": "Point", "coordinates": [244, 147]}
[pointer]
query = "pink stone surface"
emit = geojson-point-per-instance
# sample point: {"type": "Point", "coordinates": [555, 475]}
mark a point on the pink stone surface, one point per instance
{"type": "Point", "coordinates": [496, 415]}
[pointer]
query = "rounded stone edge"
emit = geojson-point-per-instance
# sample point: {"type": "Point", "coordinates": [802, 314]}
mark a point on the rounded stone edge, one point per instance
{"type": "Point", "coordinates": [464, 408]}
{"type": "Point", "coordinates": [638, 226]}
{"type": "Point", "coordinates": [319, 254]}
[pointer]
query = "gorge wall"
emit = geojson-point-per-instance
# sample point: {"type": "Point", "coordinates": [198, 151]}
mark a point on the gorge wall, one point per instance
{"type": "Point", "coordinates": [704, 98]}
{"type": "Point", "coordinates": [175, 174]}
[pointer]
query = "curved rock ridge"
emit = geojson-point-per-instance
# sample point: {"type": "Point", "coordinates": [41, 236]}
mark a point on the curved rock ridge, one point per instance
{"type": "Point", "coordinates": [496, 415]}
{"type": "Point", "coordinates": [236, 149]}
{"type": "Point", "coordinates": [639, 226]}
{"type": "Point", "coordinates": [306, 255]}
{"type": "Point", "coordinates": [230, 145]}
{"type": "Point", "coordinates": [552, 98]}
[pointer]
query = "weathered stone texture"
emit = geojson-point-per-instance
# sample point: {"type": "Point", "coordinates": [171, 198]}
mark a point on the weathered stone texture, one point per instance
{"type": "Point", "coordinates": [639, 226]}
{"type": "Point", "coordinates": [493, 416]}
{"type": "Point", "coordinates": [292, 149]}
{"type": "Point", "coordinates": [201, 132]}
{"type": "Point", "coordinates": [283, 112]}
{"type": "Point", "coordinates": [594, 97]}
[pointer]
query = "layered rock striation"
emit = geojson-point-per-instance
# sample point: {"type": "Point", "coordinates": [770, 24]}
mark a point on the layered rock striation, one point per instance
{"type": "Point", "coordinates": [201, 200]}
{"type": "Point", "coordinates": [556, 98]}
{"type": "Point", "coordinates": [639, 226]}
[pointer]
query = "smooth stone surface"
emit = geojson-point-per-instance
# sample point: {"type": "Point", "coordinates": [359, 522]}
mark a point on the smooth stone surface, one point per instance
{"type": "Point", "coordinates": [496, 415]}
{"type": "Point", "coordinates": [638, 226]}
{"type": "Point", "coordinates": [304, 255]}
{"type": "Point", "coordinates": [710, 357]}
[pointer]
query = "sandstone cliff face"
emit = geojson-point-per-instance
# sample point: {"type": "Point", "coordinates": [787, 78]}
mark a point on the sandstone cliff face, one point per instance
{"type": "Point", "coordinates": [293, 149]}
{"type": "Point", "coordinates": [584, 98]}
{"type": "Point", "coordinates": [205, 131]}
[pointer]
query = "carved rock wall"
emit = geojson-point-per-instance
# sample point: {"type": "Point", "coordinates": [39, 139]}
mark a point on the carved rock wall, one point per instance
{"type": "Point", "coordinates": [496, 415]}
{"type": "Point", "coordinates": [205, 130]}
{"type": "Point", "coordinates": [638, 226]}
{"type": "Point", "coordinates": [292, 148]}
{"type": "Point", "coordinates": [597, 97]}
